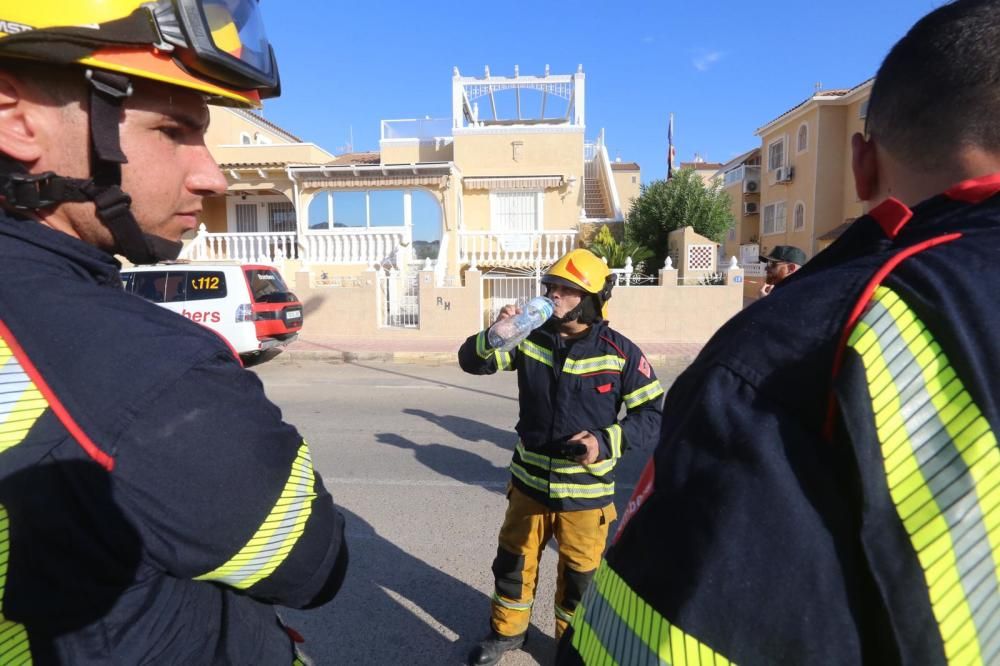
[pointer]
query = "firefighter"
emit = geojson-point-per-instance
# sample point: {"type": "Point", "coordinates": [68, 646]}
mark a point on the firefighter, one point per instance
{"type": "Point", "coordinates": [154, 507]}
{"type": "Point", "coordinates": [574, 374]}
{"type": "Point", "coordinates": [827, 482]}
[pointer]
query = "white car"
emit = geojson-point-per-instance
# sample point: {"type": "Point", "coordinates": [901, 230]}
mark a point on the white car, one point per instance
{"type": "Point", "coordinates": [248, 304]}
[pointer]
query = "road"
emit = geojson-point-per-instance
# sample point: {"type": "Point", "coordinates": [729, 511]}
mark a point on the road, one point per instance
{"type": "Point", "coordinates": [416, 456]}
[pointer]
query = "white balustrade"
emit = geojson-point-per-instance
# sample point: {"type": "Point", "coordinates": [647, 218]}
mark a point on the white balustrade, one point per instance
{"type": "Point", "coordinates": [267, 247]}
{"type": "Point", "coordinates": [489, 248]}
{"type": "Point", "coordinates": [363, 246]}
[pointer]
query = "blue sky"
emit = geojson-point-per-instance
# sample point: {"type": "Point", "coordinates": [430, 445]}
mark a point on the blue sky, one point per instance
{"type": "Point", "coordinates": [723, 68]}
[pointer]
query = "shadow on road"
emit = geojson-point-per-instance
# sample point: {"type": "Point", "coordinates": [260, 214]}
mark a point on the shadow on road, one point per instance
{"type": "Point", "coordinates": [449, 461]}
{"type": "Point", "coordinates": [469, 430]}
{"type": "Point", "coordinates": [432, 381]}
{"type": "Point", "coordinates": [395, 609]}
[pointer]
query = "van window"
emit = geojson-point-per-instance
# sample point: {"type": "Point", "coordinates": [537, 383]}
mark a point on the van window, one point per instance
{"type": "Point", "coordinates": [266, 286]}
{"type": "Point", "coordinates": [202, 285]}
{"type": "Point", "coordinates": [149, 285]}
{"type": "Point", "coordinates": [174, 288]}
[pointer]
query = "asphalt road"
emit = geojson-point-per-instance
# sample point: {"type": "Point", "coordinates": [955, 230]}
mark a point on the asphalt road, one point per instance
{"type": "Point", "coordinates": [416, 457]}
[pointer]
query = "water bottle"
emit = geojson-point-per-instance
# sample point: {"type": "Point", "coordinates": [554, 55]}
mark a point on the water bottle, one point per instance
{"type": "Point", "coordinates": [507, 333]}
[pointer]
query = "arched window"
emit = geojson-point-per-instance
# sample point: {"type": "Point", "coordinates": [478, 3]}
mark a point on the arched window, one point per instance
{"type": "Point", "coordinates": [800, 217]}
{"type": "Point", "coordinates": [803, 142]}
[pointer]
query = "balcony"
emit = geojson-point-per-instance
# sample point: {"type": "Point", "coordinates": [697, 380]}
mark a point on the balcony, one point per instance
{"type": "Point", "coordinates": [512, 249]}
{"type": "Point", "coordinates": [360, 246]}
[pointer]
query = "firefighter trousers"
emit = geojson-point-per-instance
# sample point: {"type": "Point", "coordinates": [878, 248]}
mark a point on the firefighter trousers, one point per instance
{"type": "Point", "coordinates": [581, 537]}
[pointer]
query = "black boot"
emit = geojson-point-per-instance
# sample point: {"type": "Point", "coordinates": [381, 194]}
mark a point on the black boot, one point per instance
{"type": "Point", "coordinates": [489, 650]}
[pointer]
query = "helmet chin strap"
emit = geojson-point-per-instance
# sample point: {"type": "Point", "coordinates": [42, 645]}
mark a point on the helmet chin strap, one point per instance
{"type": "Point", "coordinates": [33, 192]}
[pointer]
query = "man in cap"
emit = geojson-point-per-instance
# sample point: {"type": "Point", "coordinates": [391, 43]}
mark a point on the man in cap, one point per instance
{"type": "Point", "coordinates": [153, 505]}
{"type": "Point", "coordinates": [782, 261]}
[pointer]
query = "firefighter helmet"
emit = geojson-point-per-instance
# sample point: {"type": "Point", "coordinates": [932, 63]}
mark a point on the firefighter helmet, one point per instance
{"type": "Point", "coordinates": [582, 269]}
{"type": "Point", "coordinates": [216, 47]}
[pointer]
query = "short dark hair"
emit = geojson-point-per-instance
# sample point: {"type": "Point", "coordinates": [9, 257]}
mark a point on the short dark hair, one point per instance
{"type": "Point", "coordinates": [939, 87]}
{"type": "Point", "coordinates": [58, 84]}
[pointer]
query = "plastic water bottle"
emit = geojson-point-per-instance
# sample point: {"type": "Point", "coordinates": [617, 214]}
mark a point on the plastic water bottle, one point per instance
{"type": "Point", "coordinates": [507, 333]}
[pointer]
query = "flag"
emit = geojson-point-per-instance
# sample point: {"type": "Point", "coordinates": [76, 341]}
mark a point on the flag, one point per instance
{"type": "Point", "coordinates": [670, 148]}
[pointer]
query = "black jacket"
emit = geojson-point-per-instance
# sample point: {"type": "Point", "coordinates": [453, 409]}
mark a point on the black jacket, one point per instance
{"type": "Point", "coordinates": [154, 504]}
{"type": "Point", "coordinates": [827, 482]}
{"type": "Point", "coordinates": [567, 387]}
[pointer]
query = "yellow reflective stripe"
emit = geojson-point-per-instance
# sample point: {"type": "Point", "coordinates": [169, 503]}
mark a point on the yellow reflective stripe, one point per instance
{"type": "Point", "coordinates": [648, 392]}
{"type": "Point", "coordinates": [583, 366]}
{"type": "Point", "coordinates": [942, 466]}
{"type": "Point", "coordinates": [595, 469]}
{"type": "Point", "coordinates": [537, 352]}
{"type": "Point", "coordinates": [278, 534]}
{"type": "Point", "coordinates": [21, 403]}
{"type": "Point", "coordinates": [14, 645]}
{"type": "Point", "coordinates": [532, 458]}
{"type": "Point", "coordinates": [614, 625]}
{"type": "Point", "coordinates": [561, 490]}
{"type": "Point", "coordinates": [580, 490]}
{"type": "Point", "coordinates": [482, 350]}
{"type": "Point", "coordinates": [615, 438]}
{"type": "Point", "coordinates": [541, 485]}
{"type": "Point", "coordinates": [502, 358]}
{"type": "Point", "coordinates": [512, 605]}
{"type": "Point", "coordinates": [562, 465]}
{"type": "Point", "coordinates": [563, 614]}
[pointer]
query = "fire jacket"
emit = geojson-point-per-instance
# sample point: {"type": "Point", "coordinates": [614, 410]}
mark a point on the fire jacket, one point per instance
{"type": "Point", "coordinates": [153, 505]}
{"type": "Point", "coordinates": [565, 388]}
{"type": "Point", "coordinates": [827, 485]}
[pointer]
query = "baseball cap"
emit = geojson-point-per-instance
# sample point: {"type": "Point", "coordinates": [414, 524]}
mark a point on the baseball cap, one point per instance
{"type": "Point", "coordinates": [787, 253]}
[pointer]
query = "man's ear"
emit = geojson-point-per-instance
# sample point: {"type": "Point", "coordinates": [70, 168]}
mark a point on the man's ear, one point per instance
{"type": "Point", "coordinates": [18, 138]}
{"type": "Point", "coordinates": [864, 164]}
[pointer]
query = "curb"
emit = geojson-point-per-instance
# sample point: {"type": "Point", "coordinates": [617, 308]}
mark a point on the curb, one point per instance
{"type": "Point", "coordinates": [662, 363]}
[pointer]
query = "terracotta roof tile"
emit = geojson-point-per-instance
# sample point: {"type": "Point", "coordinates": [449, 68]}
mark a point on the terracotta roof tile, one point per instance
{"type": "Point", "coordinates": [624, 166]}
{"type": "Point", "coordinates": [360, 159]}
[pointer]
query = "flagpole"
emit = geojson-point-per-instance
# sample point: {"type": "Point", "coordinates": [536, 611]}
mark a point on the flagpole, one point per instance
{"type": "Point", "coordinates": [670, 148]}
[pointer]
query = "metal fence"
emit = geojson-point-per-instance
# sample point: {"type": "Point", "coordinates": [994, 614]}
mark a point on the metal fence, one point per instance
{"type": "Point", "coordinates": [398, 299]}
{"type": "Point", "coordinates": [500, 289]}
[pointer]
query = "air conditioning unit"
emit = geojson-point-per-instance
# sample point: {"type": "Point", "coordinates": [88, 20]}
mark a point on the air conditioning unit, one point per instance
{"type": "Point", "coordinates": [784, 174]}
{"type": "Point", "coordinates": [751, 185]}
{"type": "Point", "coordinates": [751, 208]}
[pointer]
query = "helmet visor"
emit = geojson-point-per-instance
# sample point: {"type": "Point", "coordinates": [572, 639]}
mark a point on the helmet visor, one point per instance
{"type": "Point", "coordinates": [223, 40]}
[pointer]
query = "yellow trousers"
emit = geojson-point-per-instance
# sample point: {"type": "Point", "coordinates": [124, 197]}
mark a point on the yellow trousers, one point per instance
{"type": "Point", "coordinates": [527, 528]}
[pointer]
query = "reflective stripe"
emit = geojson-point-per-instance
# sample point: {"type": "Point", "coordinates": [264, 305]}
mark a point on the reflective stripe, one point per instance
{"type": "Point", "coordinates": [562, 490]}
{"type": "Point", "coordinates": [942, 466]}
{"type": "Point", "coordinates": [562, 465]}
{"type": "Point", "coordinates": [563, 614]}
{"type": "Point", "coordinates": [580, 490]}
{"type": "Point", "coordinates": [583, 366]}
{"type": "Point", "coordinates": [648, 392]}
{"type": "Point", "coordinates": [615, 438]}
{"type": "Point", "coordinates": [537, 352]}
{"type": "Point", "coordinates": [21, 403]}
{"type": "Point", "coordinates": [614, 625]}
{"type": "Point", "coordinates": [503, 359]}
{"type": "Point", "coordinates": [528, 479]}
{"type": "Point", "coordinates": [278, 534]}
{"type": "Point", "coordinates": [14, 645]}
{"type": "Point", "coordinates": [512, 605]}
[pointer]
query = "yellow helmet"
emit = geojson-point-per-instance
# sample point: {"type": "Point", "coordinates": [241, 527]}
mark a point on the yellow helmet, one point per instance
{"type": "Point", "coordinates": [580, 269]}
{"type": "Point", "coordinates": [584, 270]}
{"type": "Point", "coordinates": [216, 47]}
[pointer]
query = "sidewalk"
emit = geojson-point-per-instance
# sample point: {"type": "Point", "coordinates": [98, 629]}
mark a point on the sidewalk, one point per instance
{"type": "Point", "coordinates": [666, 357]}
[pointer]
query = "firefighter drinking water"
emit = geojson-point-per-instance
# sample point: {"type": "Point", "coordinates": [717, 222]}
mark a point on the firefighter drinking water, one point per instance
{"type": "Point", "coordinates": [574, 373]}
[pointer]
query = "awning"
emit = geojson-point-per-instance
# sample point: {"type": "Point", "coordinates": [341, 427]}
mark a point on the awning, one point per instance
{"type": "Point", "coordinates": [370, 180]}
{"type": "Point", "coordinates": [533, 183]}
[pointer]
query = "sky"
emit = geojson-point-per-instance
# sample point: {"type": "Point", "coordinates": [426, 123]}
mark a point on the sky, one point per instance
{"type": "Point", "coordinates": [723, 68]}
